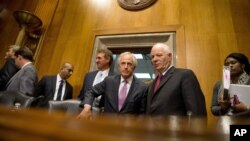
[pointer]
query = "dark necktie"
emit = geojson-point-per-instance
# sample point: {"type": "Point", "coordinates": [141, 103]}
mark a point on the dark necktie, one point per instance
{"type": "Point", "coordinates": [59, 93]}
{"type": "Point", "coordinates": [157, 83]}
{"type": "Point", "coordinates": [122, 94]}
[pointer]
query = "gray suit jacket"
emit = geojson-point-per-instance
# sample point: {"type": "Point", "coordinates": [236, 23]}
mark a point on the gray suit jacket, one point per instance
{"type": "Point", "coordinates": [24, 80]}
{"type": "Point", "coordinates": [109, 87]}
{"type": "Point", "coordinates": [179, 92]}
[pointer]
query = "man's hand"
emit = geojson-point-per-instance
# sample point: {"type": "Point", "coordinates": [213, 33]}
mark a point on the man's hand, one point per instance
{"type": "Point", "coordinates": [86, 113]}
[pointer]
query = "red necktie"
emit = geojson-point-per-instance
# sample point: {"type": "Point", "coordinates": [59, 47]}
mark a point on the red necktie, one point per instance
{"type": "Point", "coordinates": [157, 83]}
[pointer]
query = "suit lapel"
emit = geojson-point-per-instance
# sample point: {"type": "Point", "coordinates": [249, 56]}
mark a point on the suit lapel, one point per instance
{"type": "Point", "coordinates": [66, 90]}
{"type": "Point", "coordinates": [92, 79]}
{"type": "Point", "coordinates": [19, 73]}
{"type": "Point", "coordinates": [53, 84]}
{"type": "Point", "coordinates": [115, 92]}
{"type": "Point", "coordinates": [14, 77]}
{"type": "Point", "coordinates": [164, 80]}
{"type": "Point", "coordinates": [130, 92]}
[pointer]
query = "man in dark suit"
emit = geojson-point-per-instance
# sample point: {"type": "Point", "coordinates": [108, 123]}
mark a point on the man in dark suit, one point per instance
{"type": "Point", "coordinates": [123, 94]}
{"type": "Point", "coordinates": [49, 86]}
{"type": "Point", "coordinates": [103, 62]}
{"type": "Point", "coordinates": [25, 79]}
{"type": "Point", "coordinates": [175, 91]}
{"type": "Point", "coordinates": [9, 68]}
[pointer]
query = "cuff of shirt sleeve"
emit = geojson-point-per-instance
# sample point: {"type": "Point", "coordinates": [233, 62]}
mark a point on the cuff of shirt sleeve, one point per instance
{"type": "Point", "coordinates": [87, 106]}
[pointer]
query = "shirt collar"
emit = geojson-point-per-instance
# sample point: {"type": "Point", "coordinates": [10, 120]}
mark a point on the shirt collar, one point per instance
{"type": "Point", "coordinates": [129, 80]}
{"type": "Point", "coordinates": [105, 72]}
{"type": "Point", "coordinates": [167, 70]}
{"type": "Point", "coordinates": [26, 64]}
{"type": "Point", "coordinates": [58, 78]}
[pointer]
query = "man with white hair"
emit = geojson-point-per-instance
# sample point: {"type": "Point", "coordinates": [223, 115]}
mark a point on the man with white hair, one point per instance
{"type": "Point", "coordinates": [123, 93]}
{"type": "Point", "coordinates": [175, 91]}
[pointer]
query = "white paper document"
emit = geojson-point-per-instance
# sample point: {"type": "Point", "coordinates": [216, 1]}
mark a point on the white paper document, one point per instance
{"type": "Point", "coordinates": [242, 92]}
{"type": "Point", "coordinates": [226, 77]}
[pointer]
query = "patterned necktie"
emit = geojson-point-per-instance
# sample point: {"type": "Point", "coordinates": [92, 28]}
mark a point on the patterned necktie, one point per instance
{"type": "Point", "coordinates": [122, 94]}
{"type": "Point", "coordinates": [157, 83]}
{"type": "Point", "coordinates": [59, 93]}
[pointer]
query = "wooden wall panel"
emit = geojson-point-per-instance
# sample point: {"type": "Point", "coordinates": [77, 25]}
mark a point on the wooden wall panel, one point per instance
{"type": "Point", "coordinates": [212, 29]}
{"type": "Point", "coordinates": [44, 9]}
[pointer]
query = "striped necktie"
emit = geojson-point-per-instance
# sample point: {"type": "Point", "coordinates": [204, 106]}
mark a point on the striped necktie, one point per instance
{"type": "Point", "coordinates": [157, 83]}
{"type": "Point", "coordinates": [122, 94]}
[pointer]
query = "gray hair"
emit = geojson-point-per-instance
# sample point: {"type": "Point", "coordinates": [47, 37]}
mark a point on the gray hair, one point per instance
{"type": "Point", "coordinates": [127, 53]}
{"type": "Point", "coordinates": [107, 54]}
{"type": "Point", "coordinates": [14, 47]}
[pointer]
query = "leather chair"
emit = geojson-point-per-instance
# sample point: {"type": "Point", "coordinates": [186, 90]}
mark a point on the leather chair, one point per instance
{"type": "Point", "coordinates": [10, 98]}
{"type": "Point", "coordinates": [68, 107]}
{"type": "Point", "coordinates": [36, 102]}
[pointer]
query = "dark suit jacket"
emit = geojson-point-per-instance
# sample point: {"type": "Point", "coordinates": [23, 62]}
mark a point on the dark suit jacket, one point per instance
{"type": "Point", "coordinates": [88, 82]}
{"type": "Point", "coordinates": [46, 87]}
{"type": "Point", "coordinates": [8, 70]}
{"type": "Point", "coordinates": [179, 92]}
{"type": "Point", "coordinates": [109, 87]}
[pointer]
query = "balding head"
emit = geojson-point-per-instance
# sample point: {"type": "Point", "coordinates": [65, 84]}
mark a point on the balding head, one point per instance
{"type": "Point", "coordinates": [161, 57]}
{"type": "Point", "coordinates": [66, 70]}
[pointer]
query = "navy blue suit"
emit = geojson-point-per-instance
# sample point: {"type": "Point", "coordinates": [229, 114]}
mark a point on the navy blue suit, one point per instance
{"type": "Point", "coordinates": [46, 87]}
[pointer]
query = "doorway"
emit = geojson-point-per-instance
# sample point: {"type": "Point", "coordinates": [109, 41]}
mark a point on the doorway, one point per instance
{"type": "Point", "coordinates": [139, 44]}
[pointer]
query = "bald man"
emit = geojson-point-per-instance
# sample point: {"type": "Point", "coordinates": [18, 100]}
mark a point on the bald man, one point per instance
{"type": "Point", "coordinates": [55, 87]}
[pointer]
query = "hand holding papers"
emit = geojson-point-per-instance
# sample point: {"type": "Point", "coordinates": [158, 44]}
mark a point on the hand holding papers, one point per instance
{"type": "Point", "coordinates": [241, 91]}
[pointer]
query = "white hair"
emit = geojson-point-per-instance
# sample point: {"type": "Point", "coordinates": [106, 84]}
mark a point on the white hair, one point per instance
{"type": "Point", "coordinates": [165, 47]}
{"type": "Point", "coordinates": [127, 53]}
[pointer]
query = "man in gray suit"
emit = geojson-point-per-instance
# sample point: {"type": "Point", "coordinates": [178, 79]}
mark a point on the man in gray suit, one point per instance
{"type": "Point", "coordinates": [123, 94]}
{"type": "Point", "coordinates": [175, 91]}
{"type": "Point", "coordinates": [26, 78]}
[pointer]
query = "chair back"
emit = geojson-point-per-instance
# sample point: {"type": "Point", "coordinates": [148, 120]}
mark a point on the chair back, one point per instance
{"type": "Point", "coordinates": [10, 98]}
{"type": "Point", "coordinates": [36, 102]}
{"type": "Point", "coordinates": [69, 107]}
